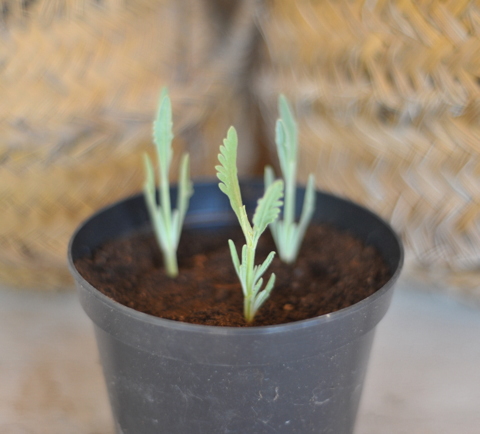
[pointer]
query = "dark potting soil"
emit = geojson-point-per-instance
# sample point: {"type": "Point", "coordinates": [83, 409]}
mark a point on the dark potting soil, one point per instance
{"type": "Point", "coordinates": [334, 270]}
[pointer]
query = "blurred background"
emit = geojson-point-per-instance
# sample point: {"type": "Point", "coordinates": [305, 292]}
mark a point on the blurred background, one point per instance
{"type": "Point", "coordinates": [386, 94]}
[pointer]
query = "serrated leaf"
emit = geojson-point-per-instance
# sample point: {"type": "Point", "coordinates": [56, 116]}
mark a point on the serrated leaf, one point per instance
{"type": "Point", "coordinates": [263, 295]}
{"type": "Point", "coordinates": [257, 286]}
{"type": "Point", "coordinates": [167, 223]}
{"type": "Point", "coordinates": [150, 196]}
{"type": "Point", "coordinates": [268, 209]}
{"type": "Point", "coordinates": [162, 132]}
{"type": "Point", "coordinates": [290, 126]}
{"type": "Point", "coordinates": [260, 270]}
{"type": "Point", "coordinates": [306, 215]}
{"type": "Point", "coordinates": [243, 268]}
{"type": "Point", "coordinates": [185, 191]}
{"type": "Point", "coordinates": [281, 141]}
{"type": "Point", "coordinates": [286, 233]}
{"type": "Point", "coordinates": [268, 177]}
{"type": "Point", "coordinates": [235, 258]}
{"type": "Point", "coordinates": [228, 176]}
{"type": "Point", "coordinates": [308, 202]}
{"type": "Point", "coordinates": [287, 153]}
{"type": "Point", "coordinates": [149, 185]}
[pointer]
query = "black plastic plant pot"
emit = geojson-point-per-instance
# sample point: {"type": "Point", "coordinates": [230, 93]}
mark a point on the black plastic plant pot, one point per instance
{"type": "Point", "coordinates": [169, 377]}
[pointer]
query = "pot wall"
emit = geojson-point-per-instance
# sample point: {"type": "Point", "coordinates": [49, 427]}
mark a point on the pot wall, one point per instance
{"type": "Point", "coordinates": [152, 394]}
{"type": "Point", "coordinates": [170, 377]}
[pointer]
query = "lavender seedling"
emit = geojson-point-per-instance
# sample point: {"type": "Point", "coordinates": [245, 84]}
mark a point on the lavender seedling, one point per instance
{"type": "Point", "coordinates": [268, 209]}
{"type": "Point", "coordinates": [287, 234]}
{"type": "Point", "coordinates": [167, 223]}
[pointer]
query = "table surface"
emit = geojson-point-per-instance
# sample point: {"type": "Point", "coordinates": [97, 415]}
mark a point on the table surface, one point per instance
{"type": "Point", "coordinates": [423, 377]}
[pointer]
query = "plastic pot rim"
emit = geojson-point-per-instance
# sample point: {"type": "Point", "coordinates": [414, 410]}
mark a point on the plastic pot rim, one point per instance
{"type": "Point", "coordinates": [225, 330]}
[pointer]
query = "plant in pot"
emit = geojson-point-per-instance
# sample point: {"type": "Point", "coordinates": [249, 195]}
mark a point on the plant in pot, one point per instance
{"type": "Point", "coordinates": [203, 345]}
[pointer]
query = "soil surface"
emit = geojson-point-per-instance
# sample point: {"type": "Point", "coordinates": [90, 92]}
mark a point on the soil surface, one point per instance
{"type": "Point", "coordinates": [334, 270]}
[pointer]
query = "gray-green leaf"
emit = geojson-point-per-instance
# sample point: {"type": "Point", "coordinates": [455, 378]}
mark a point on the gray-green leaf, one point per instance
{"type": "Point", "coordinates": [268, 208]}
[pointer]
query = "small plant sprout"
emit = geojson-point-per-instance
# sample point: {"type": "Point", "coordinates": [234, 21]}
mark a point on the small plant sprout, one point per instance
{"type": "Point", "coordinates": [167, 223]}
{"type": "Point", "coordinates": [287, 234]}
{"type": "Point", "coordinates": [268, 209]}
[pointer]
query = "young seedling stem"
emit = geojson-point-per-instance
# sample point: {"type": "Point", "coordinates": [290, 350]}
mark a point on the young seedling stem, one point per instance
{"type": "Point", "coordinates": [167, 223]}
{"type": "Point", "coordinates": [287, 234]}
{"type": "Point", "coordinates": [267, 210]}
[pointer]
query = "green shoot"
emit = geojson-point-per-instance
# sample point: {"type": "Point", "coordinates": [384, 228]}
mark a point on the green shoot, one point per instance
{"type": "Point", "coordinates": [267, 211]}
{"type": "Point", "coordinates": [167, 223]}
{"type": "Point", "coordinates": [287, 234]}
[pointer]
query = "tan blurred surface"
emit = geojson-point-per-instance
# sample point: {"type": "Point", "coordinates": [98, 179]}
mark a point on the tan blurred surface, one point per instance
{"type": "Point", "coordinates": [387, 95]}
{"type": "Point", "coordinates": [79, 83]}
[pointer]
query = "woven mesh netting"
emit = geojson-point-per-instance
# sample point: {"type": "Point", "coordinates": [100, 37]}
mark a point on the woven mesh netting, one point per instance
{"type": "Point", "coordinates": [79, 82]}
{"type": "Point", "coordinates": [388, 100]}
